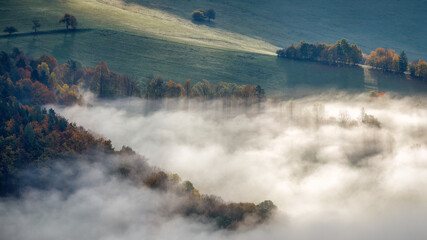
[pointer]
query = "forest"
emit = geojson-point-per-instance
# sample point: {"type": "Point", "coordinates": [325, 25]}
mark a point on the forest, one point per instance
{"type": "Point", "coordinates": [34, 139]}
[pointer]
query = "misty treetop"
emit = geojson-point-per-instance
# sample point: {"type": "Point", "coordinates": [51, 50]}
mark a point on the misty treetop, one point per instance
{"type": "Point", "coordinates": [204, 90]}
{"type": "Point", "coordinates": [32, 137]}
{"type": "Point", "coordinates": [340, 53]}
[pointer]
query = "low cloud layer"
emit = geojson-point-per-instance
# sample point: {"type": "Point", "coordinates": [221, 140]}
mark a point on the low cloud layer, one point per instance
{"type": "Point", "coordinates": [332, 175]}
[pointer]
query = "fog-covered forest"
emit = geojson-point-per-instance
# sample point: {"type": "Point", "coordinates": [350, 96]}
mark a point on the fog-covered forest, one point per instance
{"type": "Point", "coordinates": [161, 119]}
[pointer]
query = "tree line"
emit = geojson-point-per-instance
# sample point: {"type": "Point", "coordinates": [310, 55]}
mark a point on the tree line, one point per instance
{"type": "Point", "coordinates": [343, 53]}
{"type": "Point", "coordinates": [388, 60]}
{"type": "Point", "coordinates": [43, 81]}
{"type": "Point", "coordinates": [157, 88]}
{"type": "Point", "coordinates": [340, 53]}
{"type": "Point", "coordinates": [69, 20]}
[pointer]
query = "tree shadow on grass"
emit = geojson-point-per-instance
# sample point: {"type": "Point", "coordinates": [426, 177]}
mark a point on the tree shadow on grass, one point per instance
{"type": "Point", "coordinates": [204, 23]}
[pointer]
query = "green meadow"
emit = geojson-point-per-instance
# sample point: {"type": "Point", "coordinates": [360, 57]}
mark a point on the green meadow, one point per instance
{"type": "Point", "coordinates": [157, 38]}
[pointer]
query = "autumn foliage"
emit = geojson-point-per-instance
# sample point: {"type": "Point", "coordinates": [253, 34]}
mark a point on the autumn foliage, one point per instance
{"type": "Point", "coordinates": [341, 53]}
{"type": "Point", "coordinates": [212, 208]}
{"type": "Point", "coordinates": [33, 140]}
{"type": "Point", "coordinates": [418, 69]}
{"type": "Point", "coordinates": [387, 60]}
{"type": "Point", "coordinates": [204, 90]}
{"type": "Point", "coordinates": [32, 137]}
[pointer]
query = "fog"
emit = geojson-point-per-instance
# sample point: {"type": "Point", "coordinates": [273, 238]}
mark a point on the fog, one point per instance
{"type": "Point", "coordinates": [332, 173]}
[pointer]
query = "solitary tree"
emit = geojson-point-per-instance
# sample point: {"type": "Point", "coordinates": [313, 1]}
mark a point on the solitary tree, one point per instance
{"type": "Point", "coordinates": [198, 15]}
{"type": "Point", "coordinates": [187, 87]}
{"type": "Point", "coordinates": [36, 24]}
{"type": "Point", "coordinates": [68, 20]}
{"type": "Point", "coordinates": [403, 62]}
{"type": "Point", "coordinates": [10, 30]}
{"type": "Point", "coordinates": [210, 13]}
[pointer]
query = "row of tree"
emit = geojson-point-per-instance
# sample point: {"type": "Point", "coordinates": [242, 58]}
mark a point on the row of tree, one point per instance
{"type": "Point", "coordinates": [340, 53]}
{"type": "Point", "coordinates": [204, 90]}
{"type": "Point", "coordinates": [388, 60]}
{"type": "Point", "coordinates": [344, 53]}
{"type": "Point", "coordinates": [68, 19]}
{"type": "Point", "coordinates": [43, 81]}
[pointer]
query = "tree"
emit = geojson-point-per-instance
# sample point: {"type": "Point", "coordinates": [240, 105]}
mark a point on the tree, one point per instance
{"type": "Point", "coordinates": [210, 13]}
{"type": "Point", "coordinates": [343, 49]}
{"type": "Point", "coordinates": [36, 24]}
{"type": "Point", "coordinates": [384, 59]}
{"type": "Point", "coordinates": [156, 89]}
{"type": "Point", "coordinates": [187, 87]}
{"type": "Point", "coordinates": [403, 62]}
{"type": "Point", "coordinates": [10, 30]}
{"type": "Point", "coordinates": [340, 53]}
{"type": "Point", "coordinates": [198, 15]}
{"type": "Point", "coordinates": [69, 20]}
{"type": "Point", "coordinates": [29, 137]}
{"type": "Point", "coordinates": [421, 69]}
{"type": "Point", "coordinates": [265, 208]}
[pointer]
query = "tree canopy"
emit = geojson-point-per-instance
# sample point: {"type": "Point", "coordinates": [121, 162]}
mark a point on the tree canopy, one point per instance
{"type": "Point", "coordinates": [210, 13]}
{"type": "Point", "coordinates": [340, 53]}
{"type": "Point", "coordinates": [69, 20]}
{"type": "Point", "coordinates": [10, 30]}
{"type": "Point", "coordinates": [198, 15]}
{"type": "Point", "coordinates": [201, 15]}
{"type": "Point", "coordinates": [403, 62]}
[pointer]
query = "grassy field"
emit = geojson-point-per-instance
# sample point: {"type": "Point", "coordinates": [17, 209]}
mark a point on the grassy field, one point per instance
{"type": "Point", "coordinates": [395, 24]}
{"type": "Point", "coordinates": [141, 42]}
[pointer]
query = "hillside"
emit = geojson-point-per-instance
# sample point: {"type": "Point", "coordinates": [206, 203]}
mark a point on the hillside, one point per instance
{"type": "Point", "coordinates": [384, 23]}
{"type": "Point", "coordinates": [144, 39]}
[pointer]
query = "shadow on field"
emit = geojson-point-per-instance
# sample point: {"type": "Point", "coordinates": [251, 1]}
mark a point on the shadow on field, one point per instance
{"type": "Point", "coordinates": [50, 32]}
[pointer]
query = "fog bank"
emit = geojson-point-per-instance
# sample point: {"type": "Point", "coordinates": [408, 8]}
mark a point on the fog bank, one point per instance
{"type": "Point", "coordinates": [338, 166]}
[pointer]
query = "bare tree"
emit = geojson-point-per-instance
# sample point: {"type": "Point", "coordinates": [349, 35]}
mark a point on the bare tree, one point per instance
{"type": "Point", "coordinates": [36, 24]}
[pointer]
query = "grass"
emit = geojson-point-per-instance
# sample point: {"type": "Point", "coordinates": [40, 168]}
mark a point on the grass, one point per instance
{"type": "Point", "coordinates": [137, 50]}
{"type": "Point", "coordinates": [394, 24]}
